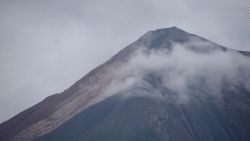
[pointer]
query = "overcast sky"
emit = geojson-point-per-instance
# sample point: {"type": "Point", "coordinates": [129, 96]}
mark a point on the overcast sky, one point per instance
{"type": "Point", "coordinates": [47, 45]}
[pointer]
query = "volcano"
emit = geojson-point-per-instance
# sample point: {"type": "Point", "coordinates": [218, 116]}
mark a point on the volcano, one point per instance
{"type": "Point", "coordinates": [169, 85]}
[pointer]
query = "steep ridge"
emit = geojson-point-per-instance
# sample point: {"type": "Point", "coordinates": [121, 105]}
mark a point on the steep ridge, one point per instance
{"type": "Point", "coordinates": [58, 117]}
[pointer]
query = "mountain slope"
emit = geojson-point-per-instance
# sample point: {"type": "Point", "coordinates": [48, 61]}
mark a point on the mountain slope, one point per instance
{"type": "Point", "coordinates": [144, 118]}
{"type": "Point", "coordinates": [167, 85]}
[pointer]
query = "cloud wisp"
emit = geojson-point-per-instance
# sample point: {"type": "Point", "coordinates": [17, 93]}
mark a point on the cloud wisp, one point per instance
{"type": "Point", "coordinates": [183, 71]}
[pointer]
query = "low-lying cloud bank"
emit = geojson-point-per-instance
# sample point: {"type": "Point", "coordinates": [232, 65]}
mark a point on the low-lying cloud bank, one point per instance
{"type": "Point", "coordinates": [183, 71]}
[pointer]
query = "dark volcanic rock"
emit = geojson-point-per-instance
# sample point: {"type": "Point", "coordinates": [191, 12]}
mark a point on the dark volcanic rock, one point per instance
{"type": "Point", "coordinates": [142, 118]}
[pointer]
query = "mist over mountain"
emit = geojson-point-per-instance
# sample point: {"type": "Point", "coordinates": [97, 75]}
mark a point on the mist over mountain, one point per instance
{"type": "Point", "coordinates": [169, 85]}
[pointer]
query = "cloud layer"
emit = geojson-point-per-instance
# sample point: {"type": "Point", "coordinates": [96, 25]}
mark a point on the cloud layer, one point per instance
{"type": "Point", "coordinates": [183, 71]}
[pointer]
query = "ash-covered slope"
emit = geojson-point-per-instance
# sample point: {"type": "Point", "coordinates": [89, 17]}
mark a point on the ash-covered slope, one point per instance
{"type": "Point", "coordinates": [167, 85]}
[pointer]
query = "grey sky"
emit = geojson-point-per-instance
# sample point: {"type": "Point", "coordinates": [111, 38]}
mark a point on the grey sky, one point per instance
{"type": "Point", "coordinates": [47, 45]}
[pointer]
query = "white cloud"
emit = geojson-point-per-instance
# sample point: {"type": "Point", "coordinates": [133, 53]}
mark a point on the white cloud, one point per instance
{"type": "Point", "coordinates": [184, 71]}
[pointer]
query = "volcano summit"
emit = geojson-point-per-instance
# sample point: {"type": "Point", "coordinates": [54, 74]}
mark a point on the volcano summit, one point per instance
{"type": "Point", "coordinates": [169, 85]}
